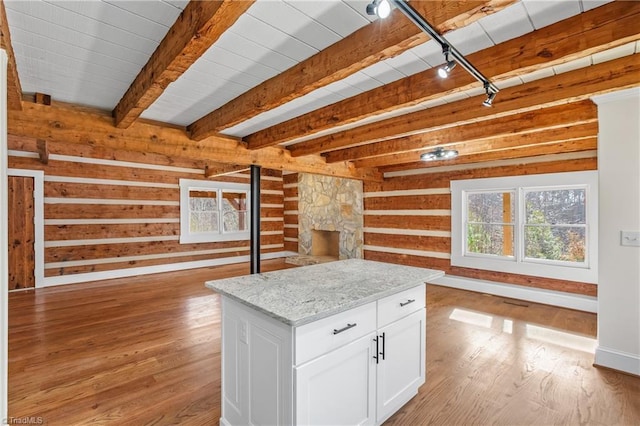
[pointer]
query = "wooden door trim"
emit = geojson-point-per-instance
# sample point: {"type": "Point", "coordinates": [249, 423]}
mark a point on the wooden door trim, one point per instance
{"type": "Point", "coordinates": [38, 205]}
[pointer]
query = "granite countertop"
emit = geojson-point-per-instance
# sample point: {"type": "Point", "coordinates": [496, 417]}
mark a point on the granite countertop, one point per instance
{"type": "Point", "coordinates": [298, 296]}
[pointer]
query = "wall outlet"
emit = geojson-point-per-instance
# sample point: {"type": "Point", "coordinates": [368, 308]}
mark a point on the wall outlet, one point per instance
{"type": "Point", "coordinates": [630, 238]}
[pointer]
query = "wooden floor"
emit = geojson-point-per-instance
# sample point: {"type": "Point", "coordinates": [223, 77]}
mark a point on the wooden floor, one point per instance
{"type": "Point", "coordinates": [146, 351]}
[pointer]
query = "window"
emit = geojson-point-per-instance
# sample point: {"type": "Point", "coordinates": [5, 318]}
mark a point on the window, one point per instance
{"type": "Point", "coordinates": [213, 211]}
{"type": "Point", "coordinates": [541, 225]}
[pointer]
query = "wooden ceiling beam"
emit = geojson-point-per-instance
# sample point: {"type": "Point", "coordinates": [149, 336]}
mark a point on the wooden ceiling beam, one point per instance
{"type": "Point", "coordinates": [379, 40]}
{"type": "Point", "coordinates": [199, 25]}
{"type": "Point", "coordinates": [599, 29]}
{"type": "Point", "coordinates": [543, 149]}
{"type": "Point", "coordinates": [530, 121]}
{"type": "Point", "coordinates": [65, 125]}
{"type": "Point", "coordinates": [499, 143]}
{"type": "Point", "coordinates": [14, 89]}
{"type": "Point", "coordinates": [560, 89]}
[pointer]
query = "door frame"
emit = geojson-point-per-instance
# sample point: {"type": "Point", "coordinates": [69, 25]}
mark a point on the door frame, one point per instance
{"type": "Point", "coordinates": [4, 243]}
{"type": "Point", "coordinates": [38, 217]}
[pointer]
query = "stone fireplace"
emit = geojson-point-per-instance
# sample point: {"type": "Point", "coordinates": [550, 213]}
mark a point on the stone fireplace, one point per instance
{"type": "Point", "coordinates": [330, 219]}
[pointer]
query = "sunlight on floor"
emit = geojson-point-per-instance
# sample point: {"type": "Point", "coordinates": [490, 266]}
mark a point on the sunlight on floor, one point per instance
{"type": "Point", "coordinates": [562, 338]}
{"type": "Point", "coordinates": [470, 317]}
{"type": "Point", "coordinates": [536, 332]}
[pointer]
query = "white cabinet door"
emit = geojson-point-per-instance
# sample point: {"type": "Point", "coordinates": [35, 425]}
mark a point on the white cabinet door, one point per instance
{"type": "Point", "coordinates": [338, 388]}
{"type": "Point", "coordinates": [401, 363]}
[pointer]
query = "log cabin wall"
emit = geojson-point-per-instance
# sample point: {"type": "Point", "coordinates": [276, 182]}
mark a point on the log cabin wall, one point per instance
{"type": "Point", "coordinates": [118, 212]}
{"type": "Point", "coordinates": [408, 220]}
{"type": "Point", "coordinates": [290, 187]}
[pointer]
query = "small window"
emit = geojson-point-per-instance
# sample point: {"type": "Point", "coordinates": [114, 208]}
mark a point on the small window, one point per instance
{"type": "Point", "coordinates": [555, 226]}
{"type": "Point", "coordinates": [213, 211]}
{"type": "Point", "coordinates": [539, 225]}
{"type": "Point", "coordinates": [490, 223]}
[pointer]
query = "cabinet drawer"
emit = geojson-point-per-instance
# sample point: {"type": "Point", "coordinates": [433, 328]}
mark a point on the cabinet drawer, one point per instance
{"type": "Point", "coordinates": [322, 336]}
{"type": "Point", "coordinates": [401, 304]}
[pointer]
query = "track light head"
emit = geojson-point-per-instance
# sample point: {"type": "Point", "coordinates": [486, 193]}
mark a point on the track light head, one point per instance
{"type": "Point", "coordinates": [491, 95]}
{"type": "Point", "coordinates": [445, 70]}
{"type": "Point", "coordinates": [449, 65]}
{"type": "Point", "coordinates": [382, 8]}
{"type": "Point", "coordinates": [439, 154]}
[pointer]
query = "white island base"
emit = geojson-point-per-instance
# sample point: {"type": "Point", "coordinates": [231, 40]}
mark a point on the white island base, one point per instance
{"type": "Point", "coordinates": [354, 367]}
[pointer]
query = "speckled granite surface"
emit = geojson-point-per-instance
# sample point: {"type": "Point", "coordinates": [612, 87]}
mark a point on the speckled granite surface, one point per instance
{"type": "Point", "coordinates": [301, 295]}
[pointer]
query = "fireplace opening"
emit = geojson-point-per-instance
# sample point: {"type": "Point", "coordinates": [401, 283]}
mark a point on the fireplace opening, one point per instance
{"type": "Point", "coordinates": [325, 243]}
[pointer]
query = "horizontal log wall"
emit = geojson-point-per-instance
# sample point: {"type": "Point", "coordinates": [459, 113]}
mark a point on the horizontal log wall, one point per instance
{"type": "Point", "coordinates": [408, 219]}
{"type": "Point", "coordinates": [290, 187]}
{"type": "Point", "coordinates": [117, 210]}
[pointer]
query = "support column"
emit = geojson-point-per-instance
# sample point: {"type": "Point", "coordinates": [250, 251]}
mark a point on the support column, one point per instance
{"type": "Point", "coordinates": [255, 220]}
{"type": "Point", "coordinates": [619, 210]}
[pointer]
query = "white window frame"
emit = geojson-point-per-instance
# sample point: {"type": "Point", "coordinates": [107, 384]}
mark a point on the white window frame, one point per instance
{"type": "Point", "coordinates": [586, 272]}
{"type": "Point", "coordinates": [186, 236]}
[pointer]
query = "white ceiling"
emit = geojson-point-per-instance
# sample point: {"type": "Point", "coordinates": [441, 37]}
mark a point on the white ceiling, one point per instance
{"type": "Point", "coordinates": [89, 52]}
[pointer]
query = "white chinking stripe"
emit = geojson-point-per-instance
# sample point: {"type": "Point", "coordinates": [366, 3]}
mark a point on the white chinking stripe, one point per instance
{"type": "Point", "coordinates": [22, 154]}
{"type": "Point", "coordinates": [60, 222]}
{"type": "Point", "coordinates": [71, 243]}
{"type": "Point", "coordinates": [127, 240]}
{"type": "Point", "coordinates": [115, 182]}
{"type": "Point", "coordinates": [130, 164]}
{"type": "Point", "coordinates": [412, 232]}
{"type": "Point", "coordinates": [401, 193]}
{"type": "Point", "coordinates": [153, 256]}
{"type": "Point", "coordinates": [167, 267]}
{"type": "Point", "coordinates": [422, 253]}
{"type": "Point", "coordinates": [54, 200]}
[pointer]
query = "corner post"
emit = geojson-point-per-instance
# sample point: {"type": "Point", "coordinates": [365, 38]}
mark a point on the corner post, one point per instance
{"type": "Point", "coordinates": [255, 220]}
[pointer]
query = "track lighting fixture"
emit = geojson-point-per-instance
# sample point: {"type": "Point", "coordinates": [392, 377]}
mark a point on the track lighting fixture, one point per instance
{"type": "Point", "coordinates": [491, 94]}
{"type": "Point", "coordinates": [376, 8]}
{"type": "Point", "coordinates": [382, 8]}
{"type": "Point", "coordinates": [439, 154]}
{"type": "Point", "coordinates": [445, 70]}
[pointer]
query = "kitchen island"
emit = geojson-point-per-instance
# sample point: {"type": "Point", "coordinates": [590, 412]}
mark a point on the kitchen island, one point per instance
{"type": "Point", "coordinates": [339, 343]}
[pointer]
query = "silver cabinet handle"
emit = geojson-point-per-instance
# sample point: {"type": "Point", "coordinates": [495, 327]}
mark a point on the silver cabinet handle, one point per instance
{"type": "Point", "coordinates": [402, 304]}
{"type": "Point", "coordinates": [335, 331]}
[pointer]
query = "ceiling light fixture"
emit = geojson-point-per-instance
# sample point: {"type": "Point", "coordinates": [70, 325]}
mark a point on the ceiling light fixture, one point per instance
{"type": "Point", "coordinates": [491, 95]}
{"type": "Point", "coordinates": [447, 49]}
{"type": "Point", "coordinates": [439, 154]}
{"type": "Point", "coordinates": [382, 8]}
{"type": "Point", "coordinates": [445, 70]}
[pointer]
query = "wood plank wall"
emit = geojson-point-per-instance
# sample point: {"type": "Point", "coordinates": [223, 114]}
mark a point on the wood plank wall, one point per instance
{"type": "Point", "coordinates": [21, 233]}
{"type": "Point", "coordinates": [408, 220]}
{"type": "Point", "coordinates": [290, 185]}
{"type": "Point", "coordinates": [113, 210]}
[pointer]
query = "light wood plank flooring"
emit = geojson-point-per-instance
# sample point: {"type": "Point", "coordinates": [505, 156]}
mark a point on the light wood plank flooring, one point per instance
{"type": "Point", "coordinates": [146, 351]}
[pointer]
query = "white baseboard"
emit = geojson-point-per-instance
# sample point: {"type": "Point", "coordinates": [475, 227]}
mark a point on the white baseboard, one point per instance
{"type": "Point", "coordinates": [547, 297]}
{"type": "Point", "coordinates": [617, 360]}
{"type": "Point", "coordinates": [145, 270]}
